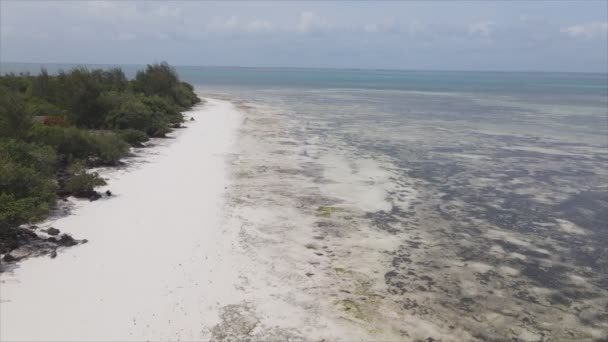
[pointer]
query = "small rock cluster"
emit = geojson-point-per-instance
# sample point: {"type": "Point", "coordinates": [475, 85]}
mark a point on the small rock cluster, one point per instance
{"type": "Point", "coordinates": [29, 242]}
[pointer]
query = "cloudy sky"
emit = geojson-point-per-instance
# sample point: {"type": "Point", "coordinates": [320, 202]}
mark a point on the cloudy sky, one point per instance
{"type": "Point", "coordinates": [452, 35]}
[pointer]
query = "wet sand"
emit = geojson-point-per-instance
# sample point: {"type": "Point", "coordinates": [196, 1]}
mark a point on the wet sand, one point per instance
{"type": "Point", "coordinates": [422, 229]}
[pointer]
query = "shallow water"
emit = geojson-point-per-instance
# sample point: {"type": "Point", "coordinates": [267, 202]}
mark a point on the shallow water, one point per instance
{"type": "Point", "coordinates": [432, 215]}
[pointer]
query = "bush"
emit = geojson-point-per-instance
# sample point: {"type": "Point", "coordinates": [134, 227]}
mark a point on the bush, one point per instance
{"type": "Point", "coordinates": [133, 113]}
{"type": "Point", "coordinates": [40, 158]}
{"type": "Point", "coordinates": [81, 183]}
{"type": "Point", "coordinates": [161, 106]}
{"type": "Point", "coordinates": [27, 185]}
{"type": "Point", "coordinates": [17, 211]}
{"type": "Point", "coordinates": [162, 80]}
{"type": "Point", "coordinates": [36, 106]}
{"type": "Point", "coordinates": [108, 147]}
{"type": "Point", "coordinates": [73, 143]}
{"type": "Point", "coordinates": [14, 119]}
{"type": "Point", "coordinates": [133, 137]}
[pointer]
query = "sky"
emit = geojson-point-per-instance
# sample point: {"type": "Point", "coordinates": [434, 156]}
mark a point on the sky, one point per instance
{"type": "Point", "coordinates": [411, 35]}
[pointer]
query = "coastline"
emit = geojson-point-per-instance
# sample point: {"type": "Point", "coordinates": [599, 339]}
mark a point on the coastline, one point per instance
{"type": "Point", "coordinates": [155, 249]}
{"type": "Point", "coordinates": [304, 237]}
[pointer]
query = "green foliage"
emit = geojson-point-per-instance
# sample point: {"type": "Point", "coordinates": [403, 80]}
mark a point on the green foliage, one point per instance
{"type": "Point", "coordinates": [184, 95]}
{"type": "Point", "coordinates": [133, 113]}
{"type": "Point", "coordinates": [161, 106]}
{"type": "Point", "coordinates": [162, 80]}
{"type": "Point", "coordinates": [108, 147]}
{"type": "Point", "coordinates": [38, 157]}
{"type": "Point", "coordinates": [78, 91]}
{"type": "Point", "coordinates": [49, 121]}
{"type": "Point", "coordinates": [15, 83]}
{"type": "Point", "coordinates": [133, 137]}
{"type": "Point", "coordinates": [14, 119]}
{"type": "Point", "coordinates": [157, 79]}
{"type": "Point", "coordinates": [74, 143]}
{"type": "Point", "coordinates": [37, 106]}
{"type": "Point", "coordinates": [27, 185]}
{"type": "Point", "coordinates": [81, 183]}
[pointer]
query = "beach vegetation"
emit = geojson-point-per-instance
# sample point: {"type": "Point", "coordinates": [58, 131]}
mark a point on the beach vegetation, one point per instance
{"type": "Point", "coordinates": [81, 183]}
{"type": "Point", "coordinates": [133, 137]}
{"type": "Point", "coordinates": [27, 185]}
{"type": "Point", "coordinates": [54, 126]}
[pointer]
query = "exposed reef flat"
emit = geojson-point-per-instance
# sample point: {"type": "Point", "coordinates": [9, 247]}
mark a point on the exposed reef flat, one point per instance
{"type": "Point", "coordinates": [430, 230]}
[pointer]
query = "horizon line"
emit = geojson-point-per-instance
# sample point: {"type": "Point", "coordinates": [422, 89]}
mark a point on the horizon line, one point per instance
{"type": "Point", "coordinates": [310, 68]}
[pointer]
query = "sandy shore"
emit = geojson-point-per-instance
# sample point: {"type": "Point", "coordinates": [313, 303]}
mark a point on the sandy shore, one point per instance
{"type": "Point", "coordinates": [157, 265]}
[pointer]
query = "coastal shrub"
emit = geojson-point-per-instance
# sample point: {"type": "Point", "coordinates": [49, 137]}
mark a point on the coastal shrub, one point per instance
{"type": "Point", "coordinates": [133, 113]}
{"type": "Point", "coordinates": [36, 106]}
{"type": "Point", "coordinates": [19, 83]}
{"type": "Point", "coordinates": [162, 80]}
{"type": "Point", "coordinates": [80, 182]}
{"type": "Point", "coordinates": [78, 92]}
{"type": "Point", "coordinates": [184, 95]}
{"type": "Point", "coordinates": [163, 107]}
{"type": "Point", "coordinates": [71, 143]}
{"type": "Point", "coordinates": [133, 137]}
{"type": "Point", "coordinates": [17, 211]}
{"type": "Point", "coordinates": [157, 79]}
{"type": "Point", "coordinates": [108, 147]}
{"type": "Point", "coordinates": [48, 121]}
{"type": "Point", "coordinates": [27, 185]}
{"type": "Point", "coordinates": [41, 86]}
{"type": "Point", "coordinates": [14, 119]}
{"type": "Point", "coordinates": [38, 157]}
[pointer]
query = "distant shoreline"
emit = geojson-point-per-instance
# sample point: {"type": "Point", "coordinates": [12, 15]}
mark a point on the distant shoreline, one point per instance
{"type": "Point", "coordinates": [492, 71]}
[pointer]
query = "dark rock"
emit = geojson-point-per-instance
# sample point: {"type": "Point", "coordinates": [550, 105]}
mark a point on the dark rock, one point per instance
{"type": "Point", "coordinates": [53, 254]}
{"type": "Point", "coordinates": [53, 231]}
{"type": "Point", "coordinates": [83, 241]}
{"type": "Point", "coordinates": [191, 119]}
{"type": "Point", "coordinates": [67, 240]}
{"type": "Point", "coordinates": [309, 274]}
{"type": "Point", "coordinates": [9, 258]}
{"type": "Point", "coordinates": [94, 196]}
{"type": "Point", "coordinates": [108, 193]}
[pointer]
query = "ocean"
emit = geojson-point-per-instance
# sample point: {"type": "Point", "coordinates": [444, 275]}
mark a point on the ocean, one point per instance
{"type": "Point", "coordinates": [464, 205]}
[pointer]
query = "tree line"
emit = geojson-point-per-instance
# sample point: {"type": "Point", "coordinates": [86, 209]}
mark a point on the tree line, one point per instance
{"type": "Point", "coordinates": [53, 127]}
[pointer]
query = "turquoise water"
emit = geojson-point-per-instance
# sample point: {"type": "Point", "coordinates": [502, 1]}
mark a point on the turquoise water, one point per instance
{"type": "Point", "coordinates": [434, 81]}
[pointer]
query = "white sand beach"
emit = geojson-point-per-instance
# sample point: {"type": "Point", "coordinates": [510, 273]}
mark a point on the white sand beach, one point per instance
{"type": "Point", "coordinates": [157, 265]}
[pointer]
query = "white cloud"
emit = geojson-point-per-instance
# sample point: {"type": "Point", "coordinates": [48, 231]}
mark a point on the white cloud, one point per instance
{"type": "Point", "coordinates": [235, 24]}
{"type": "Point", "coordinates": [310, 21]}
{"type": "Point", "coordinates": [219, 24]}
{"type": "Point", "coordinates": [385, 25]}
{"type": "Point", "coordinates": [112, 8]}
{"type": "Point", "coordinates": [587, 31]}
{"type": "Point", "coordinates": [482, 28]}
{"type": "Point", "coordinates": [259, 26]}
